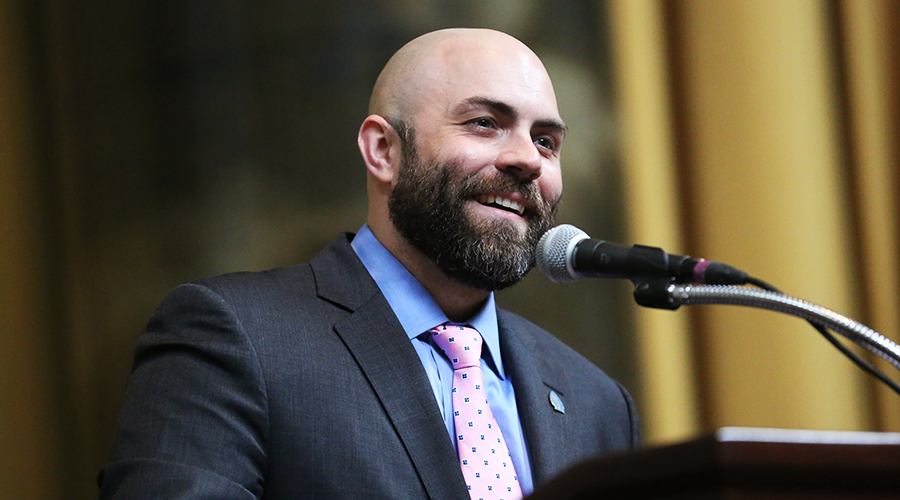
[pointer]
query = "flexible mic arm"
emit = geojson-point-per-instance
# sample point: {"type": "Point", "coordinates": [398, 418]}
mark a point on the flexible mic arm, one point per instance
{"type": "Point", "coordinates": [663, 281]}
{"type": "Point", "coordinates": [667, 295]}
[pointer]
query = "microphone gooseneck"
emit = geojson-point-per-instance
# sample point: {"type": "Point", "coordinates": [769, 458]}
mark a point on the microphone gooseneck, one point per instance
{"type": "Point", "coordinates": [566, 253]}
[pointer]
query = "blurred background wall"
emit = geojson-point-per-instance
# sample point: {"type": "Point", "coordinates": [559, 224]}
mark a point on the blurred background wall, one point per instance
{"type": "Point", "coordinates": [147, 143]}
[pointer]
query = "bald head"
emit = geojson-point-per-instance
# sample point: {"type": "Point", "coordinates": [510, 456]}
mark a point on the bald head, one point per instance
{"type": "Point", "coordinates": [463, 191]}
{"type": "Point", "coordinates": [425, 68]}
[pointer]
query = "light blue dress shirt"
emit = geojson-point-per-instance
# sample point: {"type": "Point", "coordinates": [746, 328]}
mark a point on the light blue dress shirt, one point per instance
{"type": "Point", "coordinates": [418, 313]}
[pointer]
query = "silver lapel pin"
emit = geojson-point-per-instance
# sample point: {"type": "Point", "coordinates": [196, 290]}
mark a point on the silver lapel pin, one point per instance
{"type": "Point", "coordinates": [556, 402]}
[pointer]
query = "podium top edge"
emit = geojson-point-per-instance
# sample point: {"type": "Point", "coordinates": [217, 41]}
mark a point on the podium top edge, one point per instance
{"type": "Point", "coordinates": [767, 435]}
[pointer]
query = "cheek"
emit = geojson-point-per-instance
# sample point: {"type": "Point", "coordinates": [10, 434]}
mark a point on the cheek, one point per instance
{"type": "Point", "coordinates": [470, 159]}
{"type": "Point", "coordinates": [550, 183]}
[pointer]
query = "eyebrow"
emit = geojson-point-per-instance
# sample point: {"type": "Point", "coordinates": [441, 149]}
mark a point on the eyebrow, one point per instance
{"type": "Point", "coordinates": [504, 109]}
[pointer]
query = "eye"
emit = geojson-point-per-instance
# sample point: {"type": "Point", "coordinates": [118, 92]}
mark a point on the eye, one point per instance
{"type": "Point", "coordinates": [546, 143]}
{"type": "Point", "coordinates": [483, 122]}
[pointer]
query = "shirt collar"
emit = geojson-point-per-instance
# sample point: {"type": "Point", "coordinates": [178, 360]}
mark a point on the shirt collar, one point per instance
{"type": "Point", "coordinates": [412, 304]}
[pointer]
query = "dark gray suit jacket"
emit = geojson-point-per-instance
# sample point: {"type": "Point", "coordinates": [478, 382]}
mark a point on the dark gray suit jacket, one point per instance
{"type": "Point", "coordinates": [300, 383]}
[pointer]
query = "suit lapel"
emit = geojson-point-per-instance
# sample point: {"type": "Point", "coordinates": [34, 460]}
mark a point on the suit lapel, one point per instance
{"type": "Point", "coordinates": [546, 430]}
{"type": "Point", "coordinates": [376, 340]}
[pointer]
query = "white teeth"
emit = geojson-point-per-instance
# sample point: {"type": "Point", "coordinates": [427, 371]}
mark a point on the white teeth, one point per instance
{"type": "Point", "coordinates": [488, 199]}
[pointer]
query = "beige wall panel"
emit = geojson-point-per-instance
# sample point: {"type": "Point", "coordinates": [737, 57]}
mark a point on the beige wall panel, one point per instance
{"type": "Point", "coordinates": [872, 100]}
{"type": "Point", "coordinates": [768, 198]}
{"type": "Point", "coordinates": [668, 397]}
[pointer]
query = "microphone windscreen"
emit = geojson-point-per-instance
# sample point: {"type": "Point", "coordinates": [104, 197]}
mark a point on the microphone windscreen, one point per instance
{"type": "Point", "coordinates": [554, 250]}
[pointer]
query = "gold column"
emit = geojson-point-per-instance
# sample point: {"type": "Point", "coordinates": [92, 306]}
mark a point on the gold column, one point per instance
{"type": "Point", "coordinates": [764, 162]}
{"type": "Point", "coordinates": [27, 438]}
{"type": "Point", "coordinates": [873, 103]}
{"type": "Point", "coordinates": [667, 396]}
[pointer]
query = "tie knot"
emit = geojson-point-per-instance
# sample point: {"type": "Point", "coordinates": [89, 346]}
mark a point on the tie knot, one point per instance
{"type": "Point", "coordinates": [462, 344]}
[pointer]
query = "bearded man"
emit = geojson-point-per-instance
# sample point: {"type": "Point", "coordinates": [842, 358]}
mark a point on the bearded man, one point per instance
{"type": "Point", "coordinates": [334, 379]}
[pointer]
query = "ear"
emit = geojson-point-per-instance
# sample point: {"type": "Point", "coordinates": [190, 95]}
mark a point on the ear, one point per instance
{"type": "Point", "coordinates": [379, 145]}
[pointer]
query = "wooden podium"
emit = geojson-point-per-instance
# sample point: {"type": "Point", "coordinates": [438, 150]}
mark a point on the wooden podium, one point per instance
{"type": "Point", "coordinates": [743, 463]}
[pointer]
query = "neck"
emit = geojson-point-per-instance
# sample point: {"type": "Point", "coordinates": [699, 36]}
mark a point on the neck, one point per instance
{"type": "Point", "coordinates": [458, 302]}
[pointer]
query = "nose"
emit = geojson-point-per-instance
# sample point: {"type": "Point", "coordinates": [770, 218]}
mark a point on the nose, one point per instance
{"type": "Point", "coordinates": [520, 157]}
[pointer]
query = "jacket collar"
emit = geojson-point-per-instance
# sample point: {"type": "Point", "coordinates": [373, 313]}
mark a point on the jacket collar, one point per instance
{"type": "Point", "coordinates": [377, 341]}
{"type": "Point", "coordinates": [546, 430]}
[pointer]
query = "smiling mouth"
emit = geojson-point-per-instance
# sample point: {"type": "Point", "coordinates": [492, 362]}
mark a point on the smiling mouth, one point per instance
{"type": "Point", "coordinates": [501, 203]}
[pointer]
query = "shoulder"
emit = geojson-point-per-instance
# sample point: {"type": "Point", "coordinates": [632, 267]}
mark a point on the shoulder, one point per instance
{"type": "Point", "coordinates": [259, 285]}
{"type": "Point", "coordinates": [283, 286]}
{"type": "Point", "coordinates": [258, 301]}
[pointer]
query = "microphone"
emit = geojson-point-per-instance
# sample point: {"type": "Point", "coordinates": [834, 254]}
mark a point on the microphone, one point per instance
{"type": "Point", "coordinates": [566, 253]}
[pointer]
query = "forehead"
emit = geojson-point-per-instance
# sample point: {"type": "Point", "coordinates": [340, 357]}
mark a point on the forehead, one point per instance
{"type": "Point", "coordinates": [511, 76]}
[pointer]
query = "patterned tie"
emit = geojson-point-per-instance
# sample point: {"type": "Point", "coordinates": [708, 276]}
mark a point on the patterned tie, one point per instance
{"type": "Point", "coordinates": [483, 455]}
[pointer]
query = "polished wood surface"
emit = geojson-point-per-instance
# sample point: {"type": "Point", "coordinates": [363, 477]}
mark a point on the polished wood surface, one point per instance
{"type": "Point", "coordinates": [739, 463]}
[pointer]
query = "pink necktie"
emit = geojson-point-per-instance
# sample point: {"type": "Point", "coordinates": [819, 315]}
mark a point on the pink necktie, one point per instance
{"type": "Point", "coordinates": [483, 455]}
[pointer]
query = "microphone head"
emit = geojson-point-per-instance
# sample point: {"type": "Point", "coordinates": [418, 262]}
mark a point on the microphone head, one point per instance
{"type": "Point", "coordinates": [555, 251]}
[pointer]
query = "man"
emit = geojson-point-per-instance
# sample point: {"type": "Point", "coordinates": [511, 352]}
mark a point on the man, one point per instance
{"type": "Point", "coordinates": [324, 380]}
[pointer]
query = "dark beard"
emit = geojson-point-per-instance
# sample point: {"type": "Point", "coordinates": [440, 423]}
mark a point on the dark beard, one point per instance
{"type": "Point", "coordinates": [427, 206]}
